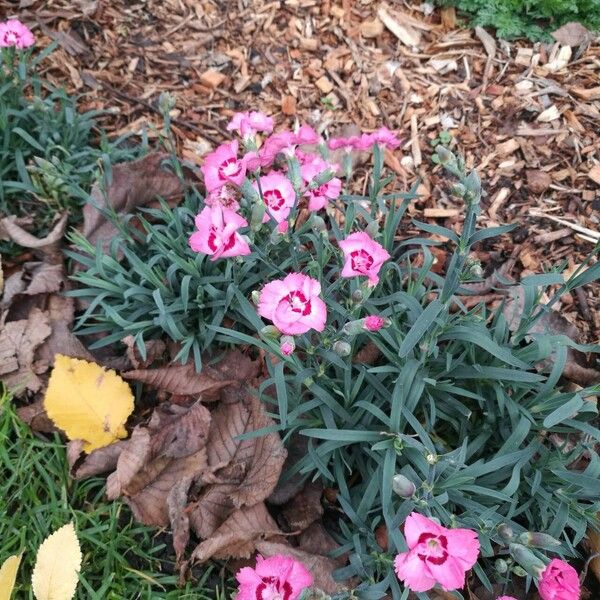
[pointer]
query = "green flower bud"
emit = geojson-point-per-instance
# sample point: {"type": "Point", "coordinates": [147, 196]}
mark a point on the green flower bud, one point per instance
{"type": "Point", "coordinates": [342, 348]}
{"type": "Point", "coordinates": [271, 332]}
{"type": "Point", "coordinates": [258, 212]}
{"type": "Point", "coordinates": [255, 295]}
{"type": "Point", "coordinates": [372, 229]}
{"type": "Point", "coordinates": [403, 486]}
{"type": "Point", "coordinates": [527, 559]}
{"type": "Point", "coordinates": [501, 566]}
{"type": "Point", "coordinates": [538, 540]}
{"type": "Point", "coordinates": [444, 155]}
{"type": "Point", "coordinates": [505, 532]}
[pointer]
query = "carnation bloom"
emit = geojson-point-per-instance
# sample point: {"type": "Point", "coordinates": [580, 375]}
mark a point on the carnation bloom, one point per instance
{"type": "Point", "coordinates": [559, 581]}
{"type": "Point", "coordinates": [320, 196]}
{"type": "Point", "coordinates": [348, 143]}
{"type": "Point", "coordinates": [223, 166]}
{"type": "Point", "coordinates": [364, 256]}
{"type": "Point", "coordinates": [275, 578]}
{"type": "Point", "coordinates": [217, 233]}
{"type": "Point", "coordinates": [278, 194]}
{"type": "Point", "coordinates": [287, 345]}
{"type": "Point", "coordinates": [14, 33]}
{"type": "Point", "coordinates": [382, 137]}
{"type": "Point", "coordinates": [435, 555]}
{"type": "Point", "coordinates": [225, 196]}
{"type": "Point", "coordinates": [293, 304]}
{"type": "Point", "coordinates": [285, 142]}
{"type": "Point", "coordinates": [248, 124]}
{"type": "Point", "coordinates": [373, 323]}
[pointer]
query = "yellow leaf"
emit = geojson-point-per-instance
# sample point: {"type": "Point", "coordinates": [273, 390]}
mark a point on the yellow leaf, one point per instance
{"type": "Point", "coordinates": [8, 574]}
{"type": "Point", "coordinates": [56, 566]}
{"type": "Point", "coordinates": [88, 402]}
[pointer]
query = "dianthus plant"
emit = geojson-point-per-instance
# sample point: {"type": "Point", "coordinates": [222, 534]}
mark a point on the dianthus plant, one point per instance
{"type": "Point", "coordinates": [404, 399]}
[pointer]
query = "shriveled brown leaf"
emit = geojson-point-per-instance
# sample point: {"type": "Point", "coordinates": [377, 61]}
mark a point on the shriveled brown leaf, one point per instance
{"type": "Point", "coordinates": [288, 487]}
{"type": "Point", "coordinates": [572, 34]}
{"type": "Point", "coordinates": [305, 508]}
{"type": "Point", "coordinates": [35, 416]}
{"type": "Point", "coordinates": [238, 535]}
{"type": "Point", "coordinates": [320, 566]}
{"type": "Point", "coordinates": [48, 247]}
{"type": "Point", "coordinates": [18, 341]}
{"type": "Point", "coordinates": [593, 540]}
{"type": "Point", "coordinates": [101, 460]}
{"type": "Point", "coordinates": [130, 462]}
{"type": "Point", "coordinates": [154, 350]}
{"type": "Point", "coordinates": [316, 540]}
{"type": "Point", "coordinates": [179, 379]}
{"type": "Point", "coordinates": [177, 500]}
{"type": "Point", "coordinates": [134, 184]}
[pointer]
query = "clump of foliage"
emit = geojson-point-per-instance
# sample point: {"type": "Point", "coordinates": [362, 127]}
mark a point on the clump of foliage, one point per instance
{"type": "Point", "coordinates": [122, 559]}
{"type": "Point", "coordinates": [534, 20]}
{"type": "Point", "coordinates": [450, 417]}
{"type": "Point", "coordinates": [50, 154]}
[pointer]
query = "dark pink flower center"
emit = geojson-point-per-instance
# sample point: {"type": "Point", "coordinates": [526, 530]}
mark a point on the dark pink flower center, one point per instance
{"type": "Point", "coordinates": [215, 241]}
{"type": "Point", "coordinates": [298, 302]}
{"type": "Point", "coordinates": [10, 37]}
{"type": "Point", "coordinates": [361, 261]}
{"type": "Point", "coordinates": [272, 588]}
{"type": "Point", "coordinates": [229, 168]}
{"type": "Point", "coordinates": [274, 199]}
{"type": "Point", "coordinates": [433, 548]}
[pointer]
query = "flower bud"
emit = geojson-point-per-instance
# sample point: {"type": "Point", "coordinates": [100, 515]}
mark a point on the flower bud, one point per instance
{"type": "Point", "coordinates": [473, 185]}
{"type": "Point", "coordinates": [255, 295]}
{"type": "Point", "coordinates": [322, 178]}
{"type": "Point", "coordinates": [403, 486]}
{"type": "Point", "coordinates": [527, 559]}
{"type": "Point", "coordinates": [353, 327]}
{"type": "Point", "coordinates": [271, 332]}
{"type": "Point", "coordinates": [374, 323]}
{"type": "Point", "coordinates": [287, 345]}
{"type": "Point", "coordinates": [501, 566]}
{"type": "Point", "coordinates": [519, 571]}
{"type": "Point", "coordinates": [535, 539]}
{"type": "Point", "coordinates": [372, 229]}
{"type": "Point", "coordinates": [505, 532]}
{"type": "Point", "coordinates": [258, 212]}
{"type": "Point", "coordinates": [342, 348]}
{"type": "Point", "coordinates": [358, 295]}
{"type": "Point", "coordinates": [444, 155]}
{"type": "Point", "coordinates": [431, 458]}
{"type": "Point", "coordinates": [166, 102]}
{"type": "Point", "coordinates": [318, 224]}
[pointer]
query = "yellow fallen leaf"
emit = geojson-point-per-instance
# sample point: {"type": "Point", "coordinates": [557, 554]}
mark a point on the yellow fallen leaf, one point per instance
{"type": "Point", "coordinates": [57, 564]}
{"type": "Point", "coordinates": [8, 574]}
{"type": "Point", "coordinates": [88, 402]}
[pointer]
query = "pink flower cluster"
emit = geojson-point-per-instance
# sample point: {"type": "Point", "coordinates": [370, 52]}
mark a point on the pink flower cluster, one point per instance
{"type": "Point", "coordinates": [248, 124]}
{"type": "Point", "coordinates": [382, 137]}
{"type": "Point", "coordinates": [13, 33]}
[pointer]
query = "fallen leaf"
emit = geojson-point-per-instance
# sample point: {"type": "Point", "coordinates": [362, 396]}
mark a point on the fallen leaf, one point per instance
{"type": "Point", "coordinates": [538, 181]}
{"type": "Point", "coordinates": [572, 34]}
{"type": "Point", "coordinates": [87, 402]}
{"type": "Point", "coordinates": [18, 341]}
{"type": "Point", "coordinates": [593, 538]}
{"type": "Point", "coordinates": [98, 461]}
{"type": "Point", "coordinates": [154, 349]}
{"type": "Point", "coordinates": [57, 564]}
{"type": "Point", "coordinates": [133, 184]}
{"type": "Point", "coordinates": [305, 508]}
{"type": "Point", "coordinates": [238, 535]}
{"type": "Point", "coordinates": [8, 576]}
{"type": "Point", "coordinates": [35, 416]}
{"type": "Point", "coordinates": [177, 500]}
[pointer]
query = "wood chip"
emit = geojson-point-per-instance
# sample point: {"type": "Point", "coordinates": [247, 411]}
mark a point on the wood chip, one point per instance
{"type": "Point", "coordinates": [371, 28]}
{"type": "Point", "coordinates": [324, 84]}
{"type": "Point", "coordinates": [441, 213]}
{"type": "Point", "coordinates": [212, 78]}
{"type": "Point", "coordinates": [404, 32]}
{"type": "Point", "coordinates": [594, 174]}
{"type": "Point", "coordinates": [288, 105]}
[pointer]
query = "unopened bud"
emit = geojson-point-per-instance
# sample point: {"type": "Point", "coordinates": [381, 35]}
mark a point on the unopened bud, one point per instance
{"type": "Point", "coordinates": [358, 295]}
{"type": "Point", "coordinates": [403, 486]}
{"type": "Point", "coordinates": [321, 179]}
{"type": "Point", "coordinates": [372, 229]}
{"type": "Point", "coordinates": [505, 532]}
{"type": "Point", "coordinates": [519, 571]}
{"type": "Point", "coordinates": [432, 458]}
{"type": "Point", "coordinates": [342, 348]}
{"type": "Point", "coordinates": [287, 345]}
{"type": "Point", "coordinates": [444, 155]}
{"type": "Point", "coordinates": [255, 295]}
{"type": "Point", "coordinates": [374, 323]}
{"type": "Point", "coordinates": [270, 331]}
{"type": "Point", "coordinates": [473, 186]}
{"type": "Point", "coordinates": [501, 566]}
{"type": "Point", "coordinates": [527, 559]}
{"type": "Point", "coordinates": [256, 218]}
{"type": "Point", "coordinates": [318, 224]}
{"type": "Point", "coordinates": [166, 102]}
{"type": "Point", "coordinates": [538, 540]}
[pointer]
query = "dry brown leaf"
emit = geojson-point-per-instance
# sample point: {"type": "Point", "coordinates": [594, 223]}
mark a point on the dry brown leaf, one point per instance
{"type": "Point", "coordinates": [177, 500]}
{"type": "Point", "coordinates": [133, 184]}
{"type": "Point", "coordinates": [18, 341]}
{"type": "Point", "coordinates": [154, 350]}
{"type": "Point", "coordinates": [572, 34]}
{"type": "Point", "coordinates": [238, 535]}
{"type": "Point", "coordinates": [98, 461]}
{"type": "Point", "coordinates": [35, 416]}
{"type": "Point", "coordinates": [593, 538]}
{"type": "Point", "coordinates": [305, 508]}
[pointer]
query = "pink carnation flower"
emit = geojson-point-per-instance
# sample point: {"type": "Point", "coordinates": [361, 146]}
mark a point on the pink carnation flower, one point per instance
{"type": "Point", "coordinates": [287, 345]}
{"type": "Point", "coordinates": [248, 124]}
{"type": "Point", "coordinates": [435, 555]}
{"type": "Point", "coordinates": [559, 581]}
{"type": "Point", "coordinates": [217, 233]}
{"type": "Point", "coordinates": [278, 194]}
{"type": "Point", "coordinates": [382, 137]}
{"type": "Point", "coordinates": [320, 196]}
{"type": "Point", "coordinates": [293, 304]}
{"type": "Point", "coordinates": [285, 142]}
{"type": "Point", "coordinates": [224, 196]}
{"type": "Point", "coordinates": [364, 256]}
{"type": "Point", "coordinates": [223, 166]}
{"type": "Point", "coordinates": [347, 143]}
{"type": "Point", "coordinates": [373, 323]}
{"type": "Point", "coordinates": [275, 578]}
{"type": "Point", "coordinates": [14, 33]}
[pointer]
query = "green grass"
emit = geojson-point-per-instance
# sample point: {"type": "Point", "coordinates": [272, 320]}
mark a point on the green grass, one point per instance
{"type": "Point", "coordinates": [121, 559]}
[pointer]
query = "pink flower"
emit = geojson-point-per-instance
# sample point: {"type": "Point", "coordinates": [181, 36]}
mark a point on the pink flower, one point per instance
{"type": "Point", "coordinates": [306, 135]}
{"type": "Point", "coordinates": [320, 196]}
{"type": "Point", "coordinates": [285, 142]}
{"type": "Point", "coordinates": [224, 196]}
{"type": "Point", "coordinates": [223, 166]}
{"type": "Point", "coordinates": [559, 581]}
{"type": "Point", "coordinates": [293, 304]}
{"type": "Point", "coordinates": [247, 124]}
{"type": "Point", "coordinates": [217, 233]}
{"type": "Point", "coordinates": [382, 137]}
{"type": "Point", "coordinates": [505, 598]}
{"type": "Point", "coordinates": [348, 143]}
{"type": "Point", "coordinates": [287, 345]}
{"type": "Point", "coordinates": [373, 323]}
{"type": "Point", "coordinates": [283, 227]}
{"type": "Point", "coordinates": [14, 33]}
{"type": "Point", "coordinates": [435, 555]}
{"type": "Point", "coordinates": [275, 578]}
{"type": "Point", "coordinates": [278, 194]}
{"type": "Point", "coordinates": [364, 256]}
